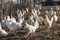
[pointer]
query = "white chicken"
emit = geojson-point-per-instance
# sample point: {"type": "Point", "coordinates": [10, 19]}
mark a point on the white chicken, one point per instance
{"type": "Point", "coordinates": [31, 20]}
{"type": "Point", "coordinates": [18, 11]}
{"type": "Point", "coordinates": [20, 16]}
{"type": "Point", "coordinates": [40, 6]}
{"type": "Point", "coordinates": [57, 8]}
{"type": "Point", "coordinates": [13, 26]}
{"type": "Point", "coordinates": [46, 12]}
{"type": "Point", "coordinates": [55, 17]}
{"type": "Point", "coordinates": [8, 18]}
{"type": "Point", "coordinates": [38, 12]}
{"type": "Point", "coordinates": [40, 19]}
{"type": "Point", "coordinates": [3, 22]}
{"type": "Point", "coordinates": [20, 19]}
{"type": "Point", "coordinates": [27, 9]}
{"type": "Point", "coordinates": [50, 13]}
{"type": "Point", "coordinates": [31, 28]}
{"type": "Point", "coordinates": [35, 13]}
{"type": "Point", "coordinates": [0, 26]}
{"type": "Point", "coordinates": [2, 32]}
{"type": "Point", "coordinates": [48, 22]}
{"type": "Point", "coordinates": [13, 19]}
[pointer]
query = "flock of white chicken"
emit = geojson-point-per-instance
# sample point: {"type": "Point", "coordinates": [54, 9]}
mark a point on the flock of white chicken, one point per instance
{"type": "Point", "coordinates": [32, 23]}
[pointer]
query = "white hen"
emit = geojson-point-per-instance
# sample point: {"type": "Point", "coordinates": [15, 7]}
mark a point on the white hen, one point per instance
{"type": "Point", "coordinates": [48, 22]}
{"type": "Point", "coordinates": [2, 32]}
{"type": "Point", "coordinates": [55, 17]}
{"type": "Point", "coordinates": [0, 26]}
{"type": "Point", "coordinates": [38, 12]}
{"type": "Point", "coordinates": [3, 23]}
{"type": "Point", "coordinates": [31, 28]}
{"type": "Point", "coordinates": [31, 21]}
{"type": "Point", "coordinates": [8, 18]}
{"type": "Point", "coordinates": [13, 26]}
{"type": "Point", "coordinates": [57, 8]}
{"type": "Point", "coordinates": [13, 19]}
